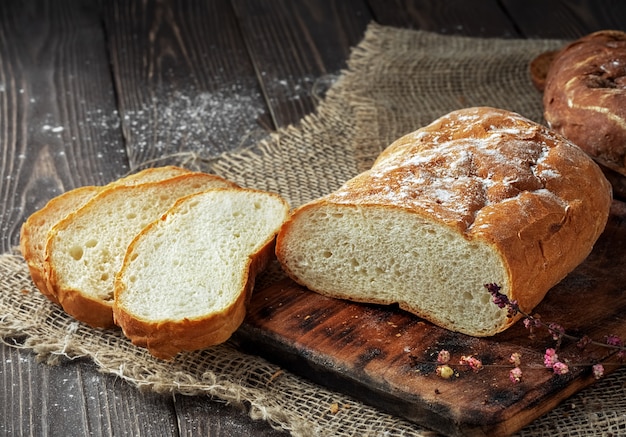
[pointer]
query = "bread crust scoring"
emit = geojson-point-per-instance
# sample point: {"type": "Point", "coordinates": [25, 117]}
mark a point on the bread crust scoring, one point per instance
{"type": "Point", "coordinates": [585, 96]}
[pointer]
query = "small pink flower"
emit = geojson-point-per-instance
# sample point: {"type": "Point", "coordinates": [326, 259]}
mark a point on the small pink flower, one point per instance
{"type": "Point", "coordinates": [528, 323]}
{"type": "Point", "coordinates": [550, 358]}
{"type": "Point", "coordinates": [474, 363]}
{"type": "Point", "coordinates": [512, 309]}
{"type": "Point", "coordinates": [443, 356]}
{"type": "Point", "coordinates": [621, 356]}
{"type": "Point", "coordinates": [531, 323]}
{"type": "Point", "coordinates": [515, 359]}
{"type": "Point", "coordinates": [598, 371]}
{"type": "Point", "coordinates": [515, 375]}
{"type": "Point", "coordinates": [556, 330]}
{"type": "Point", "coordinates": [560, 368]}
{"type": "Point", "coordinates": [584, 342]}
{"type": "Point", "coordinates": [613, 340]}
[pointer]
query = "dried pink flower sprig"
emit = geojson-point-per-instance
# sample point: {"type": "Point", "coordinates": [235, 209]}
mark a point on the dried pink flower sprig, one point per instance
{"type": "Point", "coordinates": [551, 359]}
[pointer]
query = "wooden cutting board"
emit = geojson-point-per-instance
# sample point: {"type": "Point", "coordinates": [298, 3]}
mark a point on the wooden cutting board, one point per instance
{"type": "Point", "coordinates": [387, 358]}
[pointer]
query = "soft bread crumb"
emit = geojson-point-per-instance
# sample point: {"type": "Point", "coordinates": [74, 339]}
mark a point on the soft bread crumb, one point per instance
{"type": "Point", "coordinates": [196, 265]}
{"type": "Point", "coordinates": [392, 255]}
{"type": "Point", "coordinates": [193, 261]}
{"type": "Point", "coordinates": [35, 230]}
{"type": "Point", "coordinates": [85, 250]}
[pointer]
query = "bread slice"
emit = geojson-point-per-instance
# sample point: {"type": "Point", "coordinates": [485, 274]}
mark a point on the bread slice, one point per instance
{"type": "Point", "coordinates": [34, 231]}
{"type": "Point", "coordinates": [480, 196]}
{"type": "Point", "coordinates": [85, 250]}
{"type": "Point", "coordinates": [186, 278]}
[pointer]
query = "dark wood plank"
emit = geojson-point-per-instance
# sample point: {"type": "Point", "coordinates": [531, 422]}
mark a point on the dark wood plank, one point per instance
{"type": "Point", "coordinates": [199, 416]}
{"type": "Point", "coordinates": [183, 78]}
{"type": "Point", "coordinates": [113, 406]}
{"type": "Point", "coordinates": [40, 399]}
{"type": "Point", "coordinates": [35, 399]}
{"type": "Point", "coordinates": [569, 19]}
{"type": "Point", "coordinates": [457, 17]}
{"type": "Point", "coordinates": [296, 45]}
{"type": "Point", "coordinates": [73, 398]}
{"type": "Point", "coordinates": [58, 122]}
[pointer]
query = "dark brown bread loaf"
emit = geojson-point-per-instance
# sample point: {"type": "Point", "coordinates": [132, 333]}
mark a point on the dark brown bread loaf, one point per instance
{"type": "Point", "coordinates": [539, 68]}
{"type": "Point", "coordinates": [585, 96]}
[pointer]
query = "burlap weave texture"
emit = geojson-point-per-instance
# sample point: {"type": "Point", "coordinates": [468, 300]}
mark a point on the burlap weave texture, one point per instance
{"type": "Point", "coordinates": [396, 81]}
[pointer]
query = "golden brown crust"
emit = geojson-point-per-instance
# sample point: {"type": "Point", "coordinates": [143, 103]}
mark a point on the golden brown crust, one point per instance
{"type": "Point", "coordinates": [496, 177]}
{"type": "Point", "coordinates": [166, 339]}
{"type": "Point", "coordinates": [151, 174]}
{"type": "Point", "coordinates": [585, 96]}
{"type": "Point", "coordinates": [94, 312]}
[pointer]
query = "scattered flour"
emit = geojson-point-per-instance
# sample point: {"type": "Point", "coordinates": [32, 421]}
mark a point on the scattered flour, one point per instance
{"type": "Point", "coordinates": [204, 123]}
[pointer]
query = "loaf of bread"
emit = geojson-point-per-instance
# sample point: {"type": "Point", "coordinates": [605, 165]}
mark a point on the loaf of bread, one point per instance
{"type": "Point", "coordinates": [85, 249]}
{"type": "Point", "coordinates": [34, 231]}
{"type": "Point", "coordinates": [187, 277]}
{"type": "Point", "coordinates": [585, 96]}
{"type": "Point", "coordinates": [479, 196]}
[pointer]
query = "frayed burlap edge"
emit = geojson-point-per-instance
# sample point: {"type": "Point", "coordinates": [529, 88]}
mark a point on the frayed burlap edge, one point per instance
{"type": "Point", "coordinates": [352, 124]}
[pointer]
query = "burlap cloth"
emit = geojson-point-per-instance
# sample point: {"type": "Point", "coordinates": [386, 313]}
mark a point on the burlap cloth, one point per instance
{"type": "Point", "coordinates": [396, 81]}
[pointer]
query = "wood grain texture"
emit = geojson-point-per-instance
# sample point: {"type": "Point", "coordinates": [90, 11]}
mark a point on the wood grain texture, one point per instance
{"type": "Point", "coordinates": [183, 78]}
{"type": "Point", "coordinates": [295, 46]}
{"type": "Point", "coordinates": [455, 17]}
{"type": "Point", "coordinates": [387, 357]}
{"type": "Point", "coordinates": [37, 399]}
{"type": "Point", "coordinates": [58, 123]}
{"type": "Point", "coordinates": [575, 18]}
{"type": "Point", "coordinates": [201, 416]}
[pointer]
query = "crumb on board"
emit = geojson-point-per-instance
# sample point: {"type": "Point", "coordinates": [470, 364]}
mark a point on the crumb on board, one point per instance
{"type": "Point", "coordinates": [335, 407]}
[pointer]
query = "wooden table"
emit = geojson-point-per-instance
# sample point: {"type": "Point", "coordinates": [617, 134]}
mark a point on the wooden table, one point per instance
{"type": "Point", "coordinates": [89, 90]}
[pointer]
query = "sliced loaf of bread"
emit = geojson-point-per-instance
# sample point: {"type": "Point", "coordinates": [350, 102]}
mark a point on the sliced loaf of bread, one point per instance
{"type": "Point", "coordinates": [85, 249]}
{"type": "Point", "coordinates": [35, 229]}
{"type": "Point", "coordinates": [479, 196]}
{"type": "Point", "coordinates": [187, 277]}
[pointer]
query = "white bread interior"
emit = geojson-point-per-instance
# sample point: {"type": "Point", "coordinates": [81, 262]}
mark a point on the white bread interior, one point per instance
{"type": "Point", "coordinates": [187, 277]}
{"type": "Point", "coordinates": [34, 231]}
{"type": "Point", "coordinates": [85, 250]}
{"type": "Point", "coordinates": [480, 196]}
{"type": "Point", "coordinates": [388, 255]}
